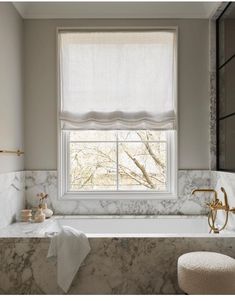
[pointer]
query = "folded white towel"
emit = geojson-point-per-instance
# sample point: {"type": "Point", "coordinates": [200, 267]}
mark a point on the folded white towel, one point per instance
{"type": "Point", "coordinates": [71, 248]}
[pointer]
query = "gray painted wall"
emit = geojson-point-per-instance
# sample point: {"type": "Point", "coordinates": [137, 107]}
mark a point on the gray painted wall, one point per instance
{"type": "Point", "coordinates": [41, 89]}
{"type": "Point", "coordinates": [11, 87]}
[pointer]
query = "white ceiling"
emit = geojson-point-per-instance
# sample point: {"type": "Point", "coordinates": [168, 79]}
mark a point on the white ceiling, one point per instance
{"type": "Point", "coordinates": [143, 10]}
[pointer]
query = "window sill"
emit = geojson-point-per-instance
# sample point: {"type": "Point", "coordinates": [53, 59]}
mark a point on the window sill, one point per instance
{"type": "Point", "coordinates": [69, 196]}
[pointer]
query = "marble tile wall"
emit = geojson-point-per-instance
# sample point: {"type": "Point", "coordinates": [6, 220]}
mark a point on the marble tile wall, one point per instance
{"type": "Point", "coordinates": [12, 196]}
{"type": "Point", "coordinates": [46, 181]}
{"type": "Point", "coordinates": [17, 186]}
{"type": "Point", "coordinates": [227, 180]}
{"type": "Point", "coordinates": [114, 266]}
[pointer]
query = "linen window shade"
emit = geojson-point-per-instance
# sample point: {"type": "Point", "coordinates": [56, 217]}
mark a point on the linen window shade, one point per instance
{"type": "Point", "coordinates": [117, 80]}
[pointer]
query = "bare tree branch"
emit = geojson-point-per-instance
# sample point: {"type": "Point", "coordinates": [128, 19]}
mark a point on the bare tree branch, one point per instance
{"type": "Point", "coordinates": [141, 168]}
{"type": "Point", "coordinates": [134, 177]}
{"type": "Point", "coordinates": [150, 151]}
{"type": "Point", "coordinates": [132, 174]}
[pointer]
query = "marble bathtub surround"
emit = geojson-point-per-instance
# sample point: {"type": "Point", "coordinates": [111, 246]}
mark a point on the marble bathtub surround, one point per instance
{"type": "Point", "coordinates": [114, 265]}
{"type": "Point", "coordinates": [46, 181]}
{"type": "Point", "coordinates": [12, 196]}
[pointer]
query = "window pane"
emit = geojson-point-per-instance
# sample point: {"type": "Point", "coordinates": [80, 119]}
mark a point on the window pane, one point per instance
{"type": "Point", "coordinates": [142, 135]}
{"type": "Point", "coordinates": [142, 166]}
{"type": "Point", "coordinates": [92, 166]}
{"type": "Point", "coordinates": [92, 135]}
{"type": "Point", "coordinates": [139, 164]}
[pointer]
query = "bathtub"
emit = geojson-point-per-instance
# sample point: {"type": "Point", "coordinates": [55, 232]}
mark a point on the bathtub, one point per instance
{"type": "Point", "coordinates": [133, 226]}
{"type": "Point", "coordinates": [129, 254]}
{"type": "Point", "coordinates": [118, 226]}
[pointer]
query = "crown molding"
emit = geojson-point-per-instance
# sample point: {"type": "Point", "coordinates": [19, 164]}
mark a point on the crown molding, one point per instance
{"type": "Point", "coordinates": [116, 10]}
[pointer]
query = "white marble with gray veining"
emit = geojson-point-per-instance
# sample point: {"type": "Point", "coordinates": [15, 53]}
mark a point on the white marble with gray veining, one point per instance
{"type": "Point", "coordinates": [212, 74]}
{"type": "Point", "coordinates": [46, 181]}
{"type": "Point", "coordinates": [227, 181]}
{"type": "Point", "coordinates": [26, 229]}
{"type": "Point", "coordinates": [114, 265]}
{"type": "Point", "coordinates": [12, 196]}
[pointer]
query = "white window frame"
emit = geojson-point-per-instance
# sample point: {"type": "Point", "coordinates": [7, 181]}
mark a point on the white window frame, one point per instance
{"type": "Point", "coordinates": [172, 141]}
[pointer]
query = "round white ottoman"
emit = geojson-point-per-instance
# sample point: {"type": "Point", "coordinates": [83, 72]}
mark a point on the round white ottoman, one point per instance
{"type": "Point", "coordinates": [206, 273]}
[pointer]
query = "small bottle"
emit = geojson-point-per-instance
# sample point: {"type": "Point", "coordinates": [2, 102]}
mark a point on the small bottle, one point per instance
{"type": "Point", "coordinates": [39, 216]}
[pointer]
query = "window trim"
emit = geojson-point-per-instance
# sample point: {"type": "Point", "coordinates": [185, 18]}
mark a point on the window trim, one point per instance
{"type": "Point", "coordinates": [172, 145]}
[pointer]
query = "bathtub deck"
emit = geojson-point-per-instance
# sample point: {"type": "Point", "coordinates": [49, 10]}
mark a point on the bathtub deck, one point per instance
{"type": "Point", "coordinates": [117, 226]}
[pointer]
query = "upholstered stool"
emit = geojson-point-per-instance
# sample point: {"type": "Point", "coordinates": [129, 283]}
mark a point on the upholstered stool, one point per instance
{"type": "Point", "coordinates": [206, 273]}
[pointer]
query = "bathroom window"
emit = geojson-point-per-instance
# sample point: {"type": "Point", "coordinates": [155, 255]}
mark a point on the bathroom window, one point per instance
{"type": "Point", "coordinates": [117, 114]}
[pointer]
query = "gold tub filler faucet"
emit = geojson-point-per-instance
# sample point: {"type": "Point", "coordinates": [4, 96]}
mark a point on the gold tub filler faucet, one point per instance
{"type": "Point", "coordinates": [215, 205]}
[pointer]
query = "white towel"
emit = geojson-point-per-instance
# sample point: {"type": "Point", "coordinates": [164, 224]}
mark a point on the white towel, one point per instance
{"type": "Point", "coordinates": [71, 248]}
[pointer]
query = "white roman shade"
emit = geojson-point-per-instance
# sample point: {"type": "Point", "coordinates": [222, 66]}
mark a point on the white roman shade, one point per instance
{"type": "Point", "coordinates": [117, 80]}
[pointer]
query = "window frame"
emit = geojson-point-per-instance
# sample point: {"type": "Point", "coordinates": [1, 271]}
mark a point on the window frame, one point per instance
{"type": "Point", "coordinates": [172, 140]}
